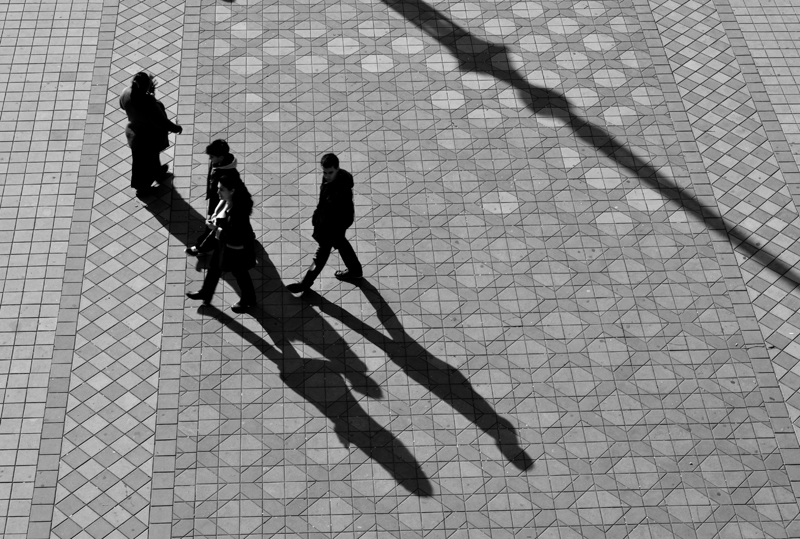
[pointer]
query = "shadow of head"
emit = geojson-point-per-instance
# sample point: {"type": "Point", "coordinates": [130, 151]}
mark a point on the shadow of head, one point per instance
{"type": "Point", "coordinates": [325, 389]}
{"type": "Point", "coordinates": [430, 372]}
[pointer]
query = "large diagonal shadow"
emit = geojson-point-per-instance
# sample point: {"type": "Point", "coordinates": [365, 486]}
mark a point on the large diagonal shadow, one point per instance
{"type": "Point", "coordinates": [322, 385]}
{"type": "Point", "coordinates": [479, 56]}
{"type": "Point", "coordinates": [441, 379]}
{"type": "Point", "coordinates": [319, 382]}
{"type": "Point", "coordinates": [176, 217]}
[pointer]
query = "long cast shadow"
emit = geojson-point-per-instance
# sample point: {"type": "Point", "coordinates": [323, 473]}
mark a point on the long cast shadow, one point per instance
{"type": "Point", "coordinates": [175, 214]}
{"type": "Point", "coordinates": [176, 217]}
{"type": "Point", "coordinates": [322, 385]}
{"type": "Point", "coordinates": [441, 379]}
{"type": "Point", "coordinates": [319, 382]}
{"type": "Point", "coordinates": [477, 55]}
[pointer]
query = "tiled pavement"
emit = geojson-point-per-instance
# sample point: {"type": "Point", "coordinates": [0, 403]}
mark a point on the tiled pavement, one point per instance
{"type": "Point", "coordinates": [579, 319]}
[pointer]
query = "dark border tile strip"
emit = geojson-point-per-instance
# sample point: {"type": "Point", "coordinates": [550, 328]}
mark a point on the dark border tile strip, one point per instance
{"type": "Point", "coordinates": [753, 339]}
{"type": "Point", "coordinates": [791, 175]}
{"type": "Point", "coordinates": [163, 480]}
{"type": "Point", "coordinates": [761, 98]}
{"type": "Point", "coordinates": [46, 481]}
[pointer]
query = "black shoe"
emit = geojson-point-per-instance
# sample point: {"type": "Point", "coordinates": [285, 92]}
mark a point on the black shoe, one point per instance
{"type": "Point", "coordinates": [241, 307]}
{"type": "Point", "coordinates": [348, 275]}
{"type": "Point", "coordinates": [199, 295]}
{"type": "Point", "coordinates": [298, 288]}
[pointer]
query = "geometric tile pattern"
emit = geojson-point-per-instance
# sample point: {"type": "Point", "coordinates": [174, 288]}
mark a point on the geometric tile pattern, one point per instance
{"type": "Point", "coordinates": [768, 34]}
{"type": "Point", "coordinates": [47, 51]}
{"type": "Point", "coordinates": [549, 341]}
{"type": "Point", "coordinates": [766, 41]}
{"type": "Point", "coordinates": [502, 250]}
{"type": "Point", "coordinates": [752, 194]}
{"type": "Point", "coordinates": [104, 477]}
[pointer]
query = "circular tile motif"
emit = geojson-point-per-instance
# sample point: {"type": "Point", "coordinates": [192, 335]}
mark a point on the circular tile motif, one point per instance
{"type": "Point", "coordinates": [499, 27]}
{"type": "Point", "coordinates": [599, 42]}
{"type": "Point", "coordinates": [311, 64]}
{"type": "Point", "coordinates": [343, 46]}
{"type": "Point", "coordinates": [377, 63]}
{"type": "Point", "coordinates": [563, 25]}
{"type": "Point", "coordinates": [527, 10]}
{"type": "Point", "coordinates": [279, 47]}
{"type": "Point", "coordinates": [408, 45]}
{"type": "Point", "coordinates": [448, 99]}
{"type": "Point", "coordinates": [442, 62]}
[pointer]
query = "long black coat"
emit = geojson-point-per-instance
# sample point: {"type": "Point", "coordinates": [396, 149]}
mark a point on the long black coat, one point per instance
{"type": "Point", "coordinates": [148, 123]}
{"type": "Point", "coordinates": [236, 231]}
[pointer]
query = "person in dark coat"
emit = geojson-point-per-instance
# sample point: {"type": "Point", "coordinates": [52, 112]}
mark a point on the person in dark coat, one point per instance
{"type": "Point", "coordinates": [147, 131]}
{"type": "Point", "coordinates": [334, 215]}
{"type": "Point", "coordinates": [235, 250]}
{"type": "Point", "coordinates": [220, 159]}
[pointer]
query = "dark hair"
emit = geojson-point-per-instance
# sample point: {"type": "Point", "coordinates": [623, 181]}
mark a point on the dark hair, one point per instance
{"type": "Point", "coordinates": [329, 161]}
{"type": "Point", "coordinates": [143, 83]}
{"type": "Point", "coordinates": [218, 147]}
{"type": "Point", "coordinates": [242, 199]}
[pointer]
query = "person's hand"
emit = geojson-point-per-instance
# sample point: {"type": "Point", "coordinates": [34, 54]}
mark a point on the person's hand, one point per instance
{"type": "Point", "coordinates": [210, 223]}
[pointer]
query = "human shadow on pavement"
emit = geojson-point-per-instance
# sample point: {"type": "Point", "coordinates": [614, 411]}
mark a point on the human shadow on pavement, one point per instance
{"type": "Point", "coordinates": [479, 56]}
{"type": "Point", "coordinates": [174, 212]}
{"type": "Point", "coordinates": [322, 382]}
{"type": "Point", "coordinates": [441, 379]}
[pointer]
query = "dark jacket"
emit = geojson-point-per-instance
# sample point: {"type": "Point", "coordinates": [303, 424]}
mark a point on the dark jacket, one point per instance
{"type": "Point", "coordinates": [212, 182]}
{"type": "Point", "coordinates": [236, 231]}
{"type": "Point", "coordinates": [148, 123]}
{"type": "Point", "coordinates": [335, 211]}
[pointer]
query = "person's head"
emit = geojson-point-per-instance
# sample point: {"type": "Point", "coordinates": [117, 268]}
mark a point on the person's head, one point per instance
{"type": "Point", "coordinates": [217, 151]}
{"type": "Point", "coordinates": [330, 166]}
{"type": "Point", "coordinates": [233, 190]}
{"type": "Point", "coordinates": [143, 83]}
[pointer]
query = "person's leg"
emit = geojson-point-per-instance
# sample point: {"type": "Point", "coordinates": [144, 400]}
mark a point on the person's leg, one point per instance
{"type": "Point", "coordinates": [350, 259]}
{"type": "Point", "coordinates": [159, 170]}
{"type": "Point", "coordinates": [146, 167]}
{"type": "Point", "coordinates": [213, 275]}
{"type": "Point", "coordinates": [320, 259]}
{"type": "Point", "coordinates": [246, 289]}
{"type": "Point", "coordinates": [138, 164]}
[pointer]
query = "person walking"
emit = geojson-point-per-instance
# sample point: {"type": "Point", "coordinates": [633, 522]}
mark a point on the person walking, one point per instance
{"type": "Point", "coordinates": [335, 213]}
{"type": "Point", "coordinates": [235, 249]}
{"type": "Point", "coordinates": [147, 130]}
{"type": "Point", "coordinates": [220, 159]}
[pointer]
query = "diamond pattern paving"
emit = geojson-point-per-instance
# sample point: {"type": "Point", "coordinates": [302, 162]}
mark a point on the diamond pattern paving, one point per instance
{"type": "Point", "coordinates": [104, 477]}
{"type": "Point", "coordinates": [564, 329]}
{"type": "Point", "coordinates": [748, 182]}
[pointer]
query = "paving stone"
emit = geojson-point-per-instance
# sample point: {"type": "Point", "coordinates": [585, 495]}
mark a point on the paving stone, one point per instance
{"type": "Point", "coordinates": [579, 223]}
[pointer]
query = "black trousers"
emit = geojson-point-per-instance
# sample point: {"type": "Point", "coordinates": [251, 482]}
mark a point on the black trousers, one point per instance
{"type": "Point", "coordinates": [324, 249]}
{"type": "Point", "coordinates": [241, 274]}
{"type": "Point", "coordinates": [146, 167]}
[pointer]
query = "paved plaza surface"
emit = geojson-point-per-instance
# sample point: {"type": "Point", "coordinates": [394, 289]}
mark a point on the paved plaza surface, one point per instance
{"type": "Point", "coordinates": [579, 317]}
